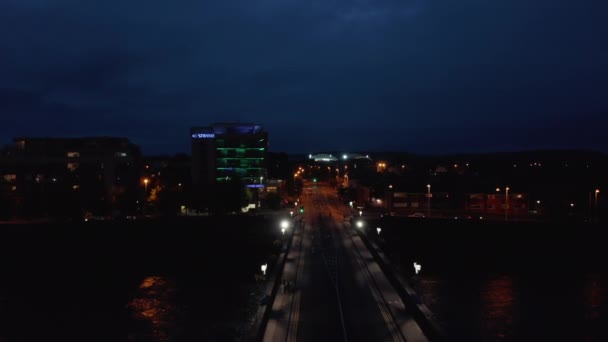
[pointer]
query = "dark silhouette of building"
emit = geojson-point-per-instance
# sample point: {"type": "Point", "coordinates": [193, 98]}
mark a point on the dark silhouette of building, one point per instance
{"type": "Point", "coordinates": [69, 177]}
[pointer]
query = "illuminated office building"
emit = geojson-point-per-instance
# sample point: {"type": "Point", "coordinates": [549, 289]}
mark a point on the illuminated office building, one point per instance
{"type": "Point", "coordinates": [226, 151]}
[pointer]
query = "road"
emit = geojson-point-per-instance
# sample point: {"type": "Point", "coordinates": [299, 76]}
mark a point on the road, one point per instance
{"type": "Point", "coordinates": [340, 293]}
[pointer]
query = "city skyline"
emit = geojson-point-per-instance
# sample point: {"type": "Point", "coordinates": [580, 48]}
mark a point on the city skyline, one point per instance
{"type": "Point", "coordinates": [417, 76]}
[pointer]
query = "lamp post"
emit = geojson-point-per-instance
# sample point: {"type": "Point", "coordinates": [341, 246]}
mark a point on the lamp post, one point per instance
{"type": "Point", "coordinates": [417, 267]}
{"type": "Point", "coordinates": [284, 225]}
{"type": "Point", "coordinates": [146, 180]}
{"type": "Point", "coordinates": [428, 200]}
{"type": "Point", "coordinates": [597, 212]}
{"type": "Point", "coordinates": [506, 202]}
{"type": "Point", "coordinates": [571, 208]}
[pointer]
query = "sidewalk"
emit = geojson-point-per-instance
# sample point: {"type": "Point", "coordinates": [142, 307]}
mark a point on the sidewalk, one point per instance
{"type": "Point", "coordinates": [278, 326]}
{"type": "Point", "coordinates": [408, 296]}
{"type": "Point", "coordinates": [408, 326]}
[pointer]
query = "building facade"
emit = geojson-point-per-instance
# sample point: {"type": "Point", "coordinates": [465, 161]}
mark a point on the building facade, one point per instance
{"type": "Point", "coordinates": [44, 177]}
{"type": "Point", "coordinates": [498, 204]}
{"type": "Point", "coordinates": [225, 152]}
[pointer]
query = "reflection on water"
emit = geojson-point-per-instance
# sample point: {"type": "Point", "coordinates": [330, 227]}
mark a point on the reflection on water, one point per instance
{"type": "Point", "coordinates": [429, 291]}
{"type": "Point", "coordinates": [519, 307]}
{"type": "Point", "coordinates": [594, 299]}
{"type": "Point", "coordinates": [154, 306]}
{"type": "Point", "coordinates": [497, 308]}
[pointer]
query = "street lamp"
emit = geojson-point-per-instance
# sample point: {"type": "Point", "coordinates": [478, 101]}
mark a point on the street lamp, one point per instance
{"type": "Point", "coordinates": [597, 213]}
{"type": "Point", "coordinates": [506, 202]}
{"type": "Point", "coordinates": [428, 196]}
{"type": "Point", "coordinates": [263, 268]}
{"type": "Point", "coordinates": [379, 230]}
{"type": "Point", "coordinates": [571, 208]}
{"type": "Point", "coordinates": [417, 267]}
{"type": "Point", "coordinates": [284, 224]}
{"type": "Point", "coordinates": [146, 180]}
{"type": "Point", "coordinates": [359, 224]}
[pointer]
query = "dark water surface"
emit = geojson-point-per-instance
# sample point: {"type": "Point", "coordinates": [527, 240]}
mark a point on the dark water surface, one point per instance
{"type": "Point", "coordinates": [171, 281]}
{"type": "Point", "coordinates": [506, 282]}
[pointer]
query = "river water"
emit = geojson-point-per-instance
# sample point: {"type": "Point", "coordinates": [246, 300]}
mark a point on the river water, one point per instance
{"type": "Point", "coordinates": [152, 283]}
{"type": "Point", "coordinates": [519, 307]}
{"type": "Point", "coordinates": [497, 282]}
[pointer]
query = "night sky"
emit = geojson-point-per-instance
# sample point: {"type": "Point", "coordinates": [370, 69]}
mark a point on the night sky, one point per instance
{"type": "Point", "coordinates": [424, 76]}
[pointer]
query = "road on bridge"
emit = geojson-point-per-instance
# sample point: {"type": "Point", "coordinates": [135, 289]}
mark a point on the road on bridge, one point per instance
{"type": "Point", "coordinates": [340, 293]}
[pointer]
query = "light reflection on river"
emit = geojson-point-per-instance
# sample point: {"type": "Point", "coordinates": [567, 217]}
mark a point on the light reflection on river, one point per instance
{"type": "Point", "coordinates": [155, 306]}
{"type": "Point", "coordinates": [519, 307]}
{"type": "Point", "coordinates": [497, 307]}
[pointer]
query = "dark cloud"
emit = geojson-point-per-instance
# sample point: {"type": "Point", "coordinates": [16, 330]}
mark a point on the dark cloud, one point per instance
{"type": "Point", "coordinates": [420, 75]}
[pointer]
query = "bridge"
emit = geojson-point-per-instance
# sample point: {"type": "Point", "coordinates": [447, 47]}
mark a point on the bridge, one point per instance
{"type": "Point", "coordinates": [339, 291]}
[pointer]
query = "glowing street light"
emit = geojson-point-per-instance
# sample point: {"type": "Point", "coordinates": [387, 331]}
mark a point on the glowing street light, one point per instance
{"type": "Point", "coordinates": [146, 181]}
{"type": "Point", "coordinates": [597, 192]}
{"type": "Point", "coordinates": [428, 201]}
{"type": "Point", "coordinates": [283, 231]}
{"type": "Point", "coordinates": [291, 213]}
{"type": "Point", "coordinates": [360, 213]}
{"type": "Point", "coordinates": [379, 230]}
{"type": "Point", "coordinates": [506, 202]}
{"type": "Point", "coordinates": [284, 224]}
{"type": "Point", "coordinates": [417, 267]}
{"type": "Point", "coordinates": [263, 268]}
{"type": "Point", "coordinates": [571, 208]}
{"type": "Point", "coordinates": [359, 224]}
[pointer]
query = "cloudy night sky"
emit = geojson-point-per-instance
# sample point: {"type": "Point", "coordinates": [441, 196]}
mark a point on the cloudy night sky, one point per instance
{"type": "Point", "coordinates": [425, 76]}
